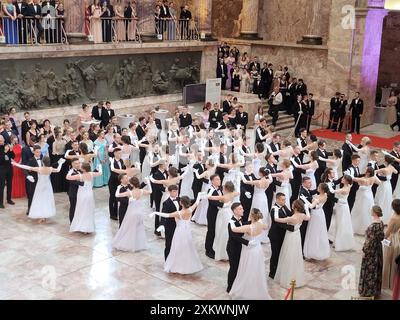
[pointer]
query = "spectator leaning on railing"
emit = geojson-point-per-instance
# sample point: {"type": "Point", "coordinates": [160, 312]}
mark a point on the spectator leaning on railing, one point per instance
{"type": "Point", "coordinates": [184, 19]}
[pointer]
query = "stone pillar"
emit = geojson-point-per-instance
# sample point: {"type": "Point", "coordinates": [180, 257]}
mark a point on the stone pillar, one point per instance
{"type": "Point", "coordinates": [75, 20]}
{"type": "Point", "coordinates": [204, 10]}
{"type": "Point", "coordinates": [313, 37]}
{"type": "Point", "coordinates": [249, 14]}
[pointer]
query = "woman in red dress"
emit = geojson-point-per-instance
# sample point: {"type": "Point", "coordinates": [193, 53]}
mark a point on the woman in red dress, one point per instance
{"type": "Point", "coordinates": [18, 180]}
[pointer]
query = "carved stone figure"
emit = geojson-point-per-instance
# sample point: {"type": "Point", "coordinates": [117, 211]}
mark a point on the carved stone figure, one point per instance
{"type": "Point", "coordinates": [51, 88]}
{"type": "Point", "coordinates": [147, 75]}
{"type": "Point", "coordinates": [160, 82]}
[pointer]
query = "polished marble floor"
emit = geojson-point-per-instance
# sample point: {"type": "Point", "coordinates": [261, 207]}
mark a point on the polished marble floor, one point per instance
{"type": "Point", "coordinates": [45, 261]}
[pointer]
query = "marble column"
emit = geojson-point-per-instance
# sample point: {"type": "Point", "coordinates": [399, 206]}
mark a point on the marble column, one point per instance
{"type": "Point", "coordinates": [75, 20]}
{"type": "Point", "coordinates": [313, 36]}
{"type": "Point", "coordinates": [204, 9]}
{"type": "Point", "coordinates": [249, 22]}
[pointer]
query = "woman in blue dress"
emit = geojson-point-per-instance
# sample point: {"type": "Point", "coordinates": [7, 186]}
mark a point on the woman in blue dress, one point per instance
{"type": "Point", "coordinates": [100, 145]}
{"type": "Point", "coordinates": [10, 23]}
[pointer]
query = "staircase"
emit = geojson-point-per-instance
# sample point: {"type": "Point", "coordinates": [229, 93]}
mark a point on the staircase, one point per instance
{"type": "Point", "coordinates": [285, 121]}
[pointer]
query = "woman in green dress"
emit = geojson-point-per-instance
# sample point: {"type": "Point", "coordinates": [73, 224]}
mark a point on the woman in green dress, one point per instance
{"type": "Point", "coordinates": [102, 158]}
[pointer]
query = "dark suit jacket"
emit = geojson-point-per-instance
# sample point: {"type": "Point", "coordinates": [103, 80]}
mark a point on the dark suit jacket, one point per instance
{"type": "Point", "coordinates": [301, 89]}
{"type": "Point", "coordinates": [310, 107]}
{"type": "Point", "coordinates": [242, 118]}
{"type": "Point", "coordinates": [95, 113]}
{"type": "Point", "coordinates": [341, 111]}
{"type": "Point", "coordinates": [106, 117]}
{"type": "Point", "coordinates": [334, 105]}
{"type": "Point", "coordinates": [6, 136]}
{"type": "Point", "coordinates": [219, 71]}
{"type": "Point", "coordinates": [165, 14]}
{"type": "Point", "coordinates": [326, 155]}
{"type": "Point", "coordinates": [168, 206]}
{"type": "Point", "coordinates": [24, 8]}
{"type": "Point", "coordinates": [198, 183]}
{"type": "Point", "coordinates": [158, 123]}
{"type": "Point", "coordinates": [73, 186]}
{"type": "Point", "coordinates": [356, 109]}
{"type": "Point", "coordinates": [140, 132]}
{"type": "Point", "coordinates": [258, 87]}
{"type": "Point", "coordinates": [24, 129]}
{"type": "Point", "coordinates": [346, 158]}
{"type": "Point", "coordinates": [214, 205]}
{"type": "Point", "coordinates": [33, 163]}
{"type": "Point", "coordinates": [258, 68]}
{"type": "Point", "coordinates": [236, 240]}
{"type": "Point", "coordinates": [278, 230]}
{"type": "Point", "coordinates": [31, 10]}
{"type": "Point", "coordinates": [214, 119]}
{"type": "Point", "coordinates": [185, 15]}
{"type": "Point", "coordinates": [226, 106]}
{"type": "Point", "coordinates": [185, 121]}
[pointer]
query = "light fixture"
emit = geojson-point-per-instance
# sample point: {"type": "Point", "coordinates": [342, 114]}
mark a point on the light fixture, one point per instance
{"type": "Point", "coordinates": [392, 4]}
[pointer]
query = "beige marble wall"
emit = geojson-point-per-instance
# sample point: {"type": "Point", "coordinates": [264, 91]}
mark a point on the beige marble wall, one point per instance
{"type": "Point", "coordinates": [389, 65]}
{"type": "Point", "coordinates": [225, 16]}
{"type": "Point", "coordinates": [288, 20]}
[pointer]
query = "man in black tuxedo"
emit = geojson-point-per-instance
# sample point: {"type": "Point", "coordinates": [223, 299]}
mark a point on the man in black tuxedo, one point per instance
{"type": "Point", "coordinates": [123, 200]}
{"type": "Point", "coordinates": [396, 154]}
{"type": "Point", "coordinates": [329, 178]}
{"type": "Point", "coordinates": [116, 127]}
{"type": "Point", "coordinates": [227, 104]}
{"type": "Point", "coordinates": [35, 10]}
{"type": "Point", "coordinates": [6, 172]}
{"type": "Point", "coordinates": [275, 101]}
{"type": "Point", "coordinates": [107, 115]}
{"type": "Point", "coordinates": [73, 187]}
{"type": "Point", "coordinates": [22, 8]}
{"type": "Point", "coordinates": [264, 78]}
{"type": "Point", "coordinates": [26, 153]}
{"type": "Point", "coordinates": [199, 166]}
{"type": "Point", "coordinates": [301, 88]}
{"type": "Point", "coordinates": [340, 114]}
{"type": "Point", "coordinates": [321, 152]}
{"type": "Point", "coordinates": [297, 173]}
{"type": "Point", "coordinates": [117, 167]}
{"type": "Point", "coordinates": [32, 177]}
{"type": "Point", "coordinates": [158, 189]}
{"type": "Point", "coordinates": [310, 110]}
{"type": "Point", "coordinates": [277, 231]}
{"type": "Point", "coordinates": [7, 132]}
{"type": "Point", "coordinates": [286, 73]}
{"type": "Point", "coordinates": [272, 168]}
{"type": "Point", "coordinates": [242, 118]}
{"type": "Point", "coordinates": [25, 125]}
{"type": "Point", "coordinates": [235, 242]}
{"type": "Point", "coordinates": [247, 190]}
{"type": "Point", "coordinates": [220, 171]}
{"type": "Point", "coordinates": [98, 112]}
{"type": "Point", "coordinates": [397, 122]}
{"type": "Point", "coordinates": [258, 87]}
{"type": "Point", "coordinates": [275, 145]}
{"type": "Point", "coordinates": [185, 118]}
{"type": "Point", "coordinates": [334, 106]}
{"type": "Point", "coordinates": [354, 172]}
{"type": "Point", "coordinates": [302, 143]}
{"type": "Point", "coordinates": [169, 206]}
{"type": "Point", "coordinates": [300, 115]}
{"type": "Point", "coordinates": [215, 117]}
{"type": "Point", "coordinates": [212, 211]}
{"type": "Point", "coordinates": [185, 18]}
{"type": "Point", "coordinates": [347, 152]}
{"type": "Point", "coordinates": [357, 109]}
{"type": "Point", "coordinates": [222, 72]}
{"type": "Point", "coordinates": [156, 120]}
{"type": "Point", "coordinates": [256, 64]}
{"type": "Point", "coordinates": [305, 190]}
{"type": "Point", "coordinates": [141, 133]}
{"type": "Point", "coordinates": [269, 79]}
{"type": "Point", "coordinates": [373, 163]}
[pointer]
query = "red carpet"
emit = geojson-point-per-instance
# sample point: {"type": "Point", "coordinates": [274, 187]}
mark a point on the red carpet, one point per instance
{"type": "Point", "coordinates": [380, 142]}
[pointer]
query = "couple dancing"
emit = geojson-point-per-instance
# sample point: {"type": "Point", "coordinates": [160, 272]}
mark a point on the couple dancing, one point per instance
{"type": "Point", "coordinates": [246, 276]}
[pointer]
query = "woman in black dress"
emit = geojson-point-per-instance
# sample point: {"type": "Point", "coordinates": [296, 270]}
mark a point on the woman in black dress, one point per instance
{"type": "Point", "coordinates": [372, 262]}
{"type": "Point", "coordinates": [235, 80]}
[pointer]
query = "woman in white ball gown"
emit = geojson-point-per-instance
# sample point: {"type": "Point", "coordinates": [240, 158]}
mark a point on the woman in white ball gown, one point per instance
{"type": "Point", "coordinates": [341, 230]}
{"type": "Point", "coordinates": [183, 257]}
{"type": "Point", "coordinates": [336, 163]}
{"type": "Point", "coordinates": [360, 214]}
{"type": "Point", "coordinates": [363, 151]}
{"type": "Point", "coordinates": [290, 263]}
{"type": "Point", "coordinates": [383, 196]}
{"type": "Point", "coordinates": [131, 235]}
{"type": "Point", "coordinates": [250, 282]}
{"type": "Point", "coordinates": [187, 181]}
{"type": "Point", "coordinates": [310, 168]}
{"type": "Point", "coordinates": [43, 205]}
{"type": "Point", "coordinates": [233, 175]}
{"type": "Point", "coordinates": [83, 220]}
{"type": "Point", "coordinates": [260, 200]}
{"type": "Point", "coordinates": [284, 177]}
{"type": "Point", "coordinates": [200, 215]}
{"type": "Point", "coordinates": [316, 243]}
{"type": "Point", "coordinates": [224, 216]}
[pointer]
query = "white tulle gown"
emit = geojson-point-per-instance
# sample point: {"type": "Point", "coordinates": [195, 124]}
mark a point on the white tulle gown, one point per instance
{"type": "Point", "coordinates": [224, 216]}
{"type": "Point", "coordinates": [260, 202]}
{"type": "Point", "coordinates": [43, 205]}
{"type": "Point", "coordinates": [84, 211]}
{"type": "Point", "coordinates": [291, 264]}
{"type": "Point", "coordinates": [233, 175]}
{"type": "Point", "coordinates": [183, 257]}
{"type": "Point", "coordinates": [131, 236]}
{"type": "Point", "coordinates": [250, 282]}
{"type": "Point", "coordinates": [146, 167]}
{"type": "Point", "coordinates": [363, 161]}
{"type": "Point", "coordinates": [361, 212]}
{"type": "Point", "coordinates": [316, 243]}
{"type": "Point", "coordinates": [342, 229]}
{"type": "Point", "coordinates": [187, 181]}
{"type": "Point", "coordinates": [200, 215]}
{"type": "Point", "coordinates": [384, 198]}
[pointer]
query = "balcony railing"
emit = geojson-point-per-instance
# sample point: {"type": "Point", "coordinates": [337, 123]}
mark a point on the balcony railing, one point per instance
{"type": "Point", "coordinates": [103, 30]}
{"type": "Point", "coordinates": [176, 29]}
{"type": "Point", "coordinates": [31, 30]}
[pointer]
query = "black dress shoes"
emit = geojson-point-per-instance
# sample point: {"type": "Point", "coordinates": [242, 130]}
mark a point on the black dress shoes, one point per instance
{"type": "Point", "coordinates": [10, 202]}
{"type": "Point", "coordinates": [114, 218]}
{"type": "Point", "coordinates": [157, 233]}
{"type": "Point", "coordinates": [272, 276]}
